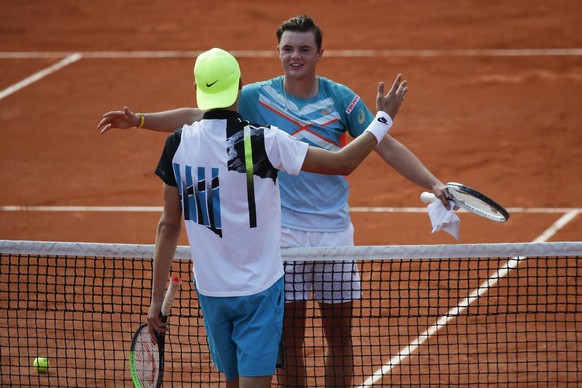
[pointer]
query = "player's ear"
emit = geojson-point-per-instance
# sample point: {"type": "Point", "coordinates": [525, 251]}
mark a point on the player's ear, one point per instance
{"type": "Point", "coordinates": [319, 54]}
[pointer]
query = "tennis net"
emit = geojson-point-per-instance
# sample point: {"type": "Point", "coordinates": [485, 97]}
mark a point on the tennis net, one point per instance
{"type": "Point", "coordinates": [430, 315]}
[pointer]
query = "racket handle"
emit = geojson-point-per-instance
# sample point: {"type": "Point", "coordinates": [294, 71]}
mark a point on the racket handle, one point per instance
{"type": "Point", "coordinates": [173, 288]}
{"type": "Point", "coordinates": [427, 197]}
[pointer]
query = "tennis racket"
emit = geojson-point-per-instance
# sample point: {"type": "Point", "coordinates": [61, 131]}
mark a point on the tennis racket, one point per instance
{"type": "Point", "coordinates": [146, 360]}
{"type": "Point", "coordinates": [471, 200]}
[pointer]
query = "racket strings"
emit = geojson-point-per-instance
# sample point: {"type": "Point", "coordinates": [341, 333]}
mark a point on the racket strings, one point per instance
{"type": "Point", "coordinates": [146, 359]}
{"type": "Point", "coordinates": [477, 205]}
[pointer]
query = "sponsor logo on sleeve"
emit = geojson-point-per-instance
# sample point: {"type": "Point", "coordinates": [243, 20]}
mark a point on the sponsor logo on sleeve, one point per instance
{"type": "Point", "coordinates": [361, 116]}
{"type": "Point", "coordinates": [352, 105]}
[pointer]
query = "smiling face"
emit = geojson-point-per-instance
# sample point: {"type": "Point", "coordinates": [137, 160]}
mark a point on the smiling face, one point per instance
{"type": "Point", "coordinates": [299, 54]}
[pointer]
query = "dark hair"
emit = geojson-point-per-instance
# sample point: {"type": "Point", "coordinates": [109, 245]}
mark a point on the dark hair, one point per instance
{"type": "Point", "coordinates": [302, 23]}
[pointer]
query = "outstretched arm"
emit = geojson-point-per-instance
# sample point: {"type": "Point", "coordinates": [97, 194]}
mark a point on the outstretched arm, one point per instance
{"type": "Point", "coordinates": [165, 121]}
{"type": "Point", "coordinates": [345, 161]}
{"type": "Point", "coordinates": [407, 164]}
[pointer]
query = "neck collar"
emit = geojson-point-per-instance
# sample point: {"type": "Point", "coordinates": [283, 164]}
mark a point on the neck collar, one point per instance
{"type": "Point", "coordinates": [222, 114]}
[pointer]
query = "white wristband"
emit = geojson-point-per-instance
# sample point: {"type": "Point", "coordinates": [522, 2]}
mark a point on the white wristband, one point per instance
{"type": "Point", "coordinates": [380, 126]}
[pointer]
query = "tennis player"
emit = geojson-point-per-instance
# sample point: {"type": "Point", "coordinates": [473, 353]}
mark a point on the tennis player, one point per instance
{"type": "Point", "coordinates": [221, 175]}
{"type": "Point", "coordinates": [315, 209]}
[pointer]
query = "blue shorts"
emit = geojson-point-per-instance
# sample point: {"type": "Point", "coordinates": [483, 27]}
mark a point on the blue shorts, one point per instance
{"type": "Point", "coordinates": [244, 332]}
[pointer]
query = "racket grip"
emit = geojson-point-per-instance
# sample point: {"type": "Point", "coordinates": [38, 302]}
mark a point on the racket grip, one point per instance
{"type": "Point", "coordinates": [427, 197]}
{"type": "Point", "coordinates": [173, 288]}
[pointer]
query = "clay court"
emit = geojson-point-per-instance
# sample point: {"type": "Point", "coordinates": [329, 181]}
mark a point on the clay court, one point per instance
{"type": "Point", "coordinates": [494, 103]}
{"type": "Point", "coordinates": [507, 122]}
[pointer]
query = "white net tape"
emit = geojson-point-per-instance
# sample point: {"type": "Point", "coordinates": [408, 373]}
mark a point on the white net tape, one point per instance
{"type": "Point", "coordinates": [48, 248]}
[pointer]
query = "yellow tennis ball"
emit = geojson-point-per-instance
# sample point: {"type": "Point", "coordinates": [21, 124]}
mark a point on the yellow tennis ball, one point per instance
{"type": "Point", "coordinates": [41, 364]}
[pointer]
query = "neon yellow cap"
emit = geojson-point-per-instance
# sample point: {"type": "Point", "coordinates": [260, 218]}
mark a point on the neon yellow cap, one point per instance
{"type": "Point", "coordinates": [217, 76]}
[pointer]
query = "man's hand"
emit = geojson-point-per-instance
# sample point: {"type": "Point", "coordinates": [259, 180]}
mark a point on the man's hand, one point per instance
{"type": "Point", "coordinates": [391, 102]}
{"type": "Point", "coordinates": [119, 119]}
{"type": "Point", "coordinates": [155, 324]}
{"type": "Point", "coordinates": [440, 192]}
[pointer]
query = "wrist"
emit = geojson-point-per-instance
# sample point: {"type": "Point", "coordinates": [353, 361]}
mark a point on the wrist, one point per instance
{"type": "Point", "coordinates": [141, 122]}
{"type": "Point", "coordinates": [380, 125]}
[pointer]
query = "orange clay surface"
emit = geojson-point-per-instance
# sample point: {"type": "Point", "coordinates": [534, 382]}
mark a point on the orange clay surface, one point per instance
{"type": "Point", "coordinates": [507, 125]}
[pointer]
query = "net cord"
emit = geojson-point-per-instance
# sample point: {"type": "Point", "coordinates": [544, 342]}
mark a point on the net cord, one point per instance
{"type": "Point", "coordinates": [370, 252]}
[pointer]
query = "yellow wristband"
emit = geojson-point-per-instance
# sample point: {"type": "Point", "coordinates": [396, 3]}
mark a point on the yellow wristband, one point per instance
{"type": "Point", "coordinates": [142, 120]}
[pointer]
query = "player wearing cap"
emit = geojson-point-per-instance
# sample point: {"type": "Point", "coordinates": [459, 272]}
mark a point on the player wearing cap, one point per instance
{"type": "Point", "coordinates": [221, 175]}
{"type": "Point", "coordinates": [315, 210]}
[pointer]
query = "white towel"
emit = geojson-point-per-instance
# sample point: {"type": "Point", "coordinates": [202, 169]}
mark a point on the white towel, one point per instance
{"type": "Point", "coordinates": [443, 219]}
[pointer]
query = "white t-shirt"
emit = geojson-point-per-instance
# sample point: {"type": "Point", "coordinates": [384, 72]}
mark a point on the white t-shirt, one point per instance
{"type": "Point", "coordinates": [226, 171]}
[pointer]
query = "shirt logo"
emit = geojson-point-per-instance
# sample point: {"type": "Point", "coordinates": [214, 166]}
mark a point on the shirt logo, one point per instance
{"type": "Point", "coordinates": [361, 116]}
{"type": "Point", "coordinates": [353, 104]}
{"type": "Point", "coordinates": [327, 110]}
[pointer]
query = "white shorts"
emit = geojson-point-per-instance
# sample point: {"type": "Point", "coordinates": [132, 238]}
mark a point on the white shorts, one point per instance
{"type": "Point", "coordinates": [330, 281]}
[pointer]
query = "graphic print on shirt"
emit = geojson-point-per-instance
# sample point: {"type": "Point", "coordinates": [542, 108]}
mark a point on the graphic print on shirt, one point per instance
{"type": "Point", "coordinates": [246, 155]}
{"type": "Point", "coordinates": [315, 123]}
{"type": "Point", "coordinates": [200, 198]}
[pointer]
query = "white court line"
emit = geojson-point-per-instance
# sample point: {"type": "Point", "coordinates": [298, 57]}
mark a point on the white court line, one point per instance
{"type": "Point", "coordinates": [130, 209]}
{"type": "Point", "coordinates": [328, 53]}
{"type": "Point", "coordinates": [146, 209]}
{"type": "Point", "coordinates": [41, 74]}
{"type": "Point", "coordinates": [465, 303]}
{"type": "Point", "coordinates": [70, 57]}
{"type": "Point", "coordinates": [374, 209]}
{"type": "Point", "coordinates": [552, 230]}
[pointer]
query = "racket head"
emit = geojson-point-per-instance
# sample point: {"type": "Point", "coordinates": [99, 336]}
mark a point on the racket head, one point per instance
{"type": "Point", "coordinates": [476, 202]}
{"type": "Point", "coordinates": [146, 361]}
